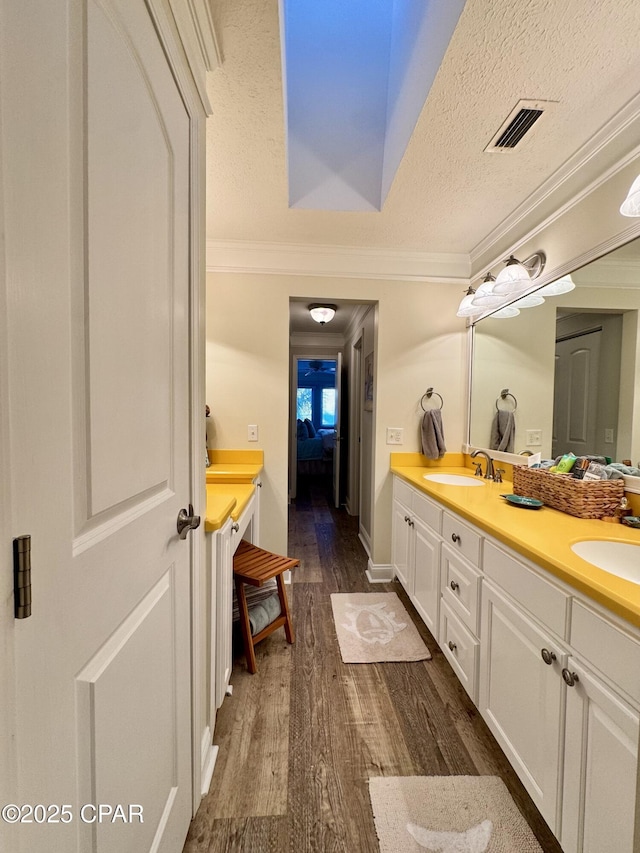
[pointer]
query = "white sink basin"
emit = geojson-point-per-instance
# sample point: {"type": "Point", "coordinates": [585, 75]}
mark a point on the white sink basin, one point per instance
{"type": "Point", "coordinates": [621, 559]}
{"type": "Point", "coordinates": [454, 479]}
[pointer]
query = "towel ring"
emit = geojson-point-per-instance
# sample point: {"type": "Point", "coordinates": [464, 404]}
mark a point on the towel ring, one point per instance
{"type": "Point", "coordinates": [430, 392]}
{"type": "Point", "coordinates": [503, 396]}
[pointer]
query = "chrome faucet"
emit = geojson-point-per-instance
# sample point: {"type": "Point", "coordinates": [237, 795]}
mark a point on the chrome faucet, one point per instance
{"type": "Point", "coordinates": [489, 470]}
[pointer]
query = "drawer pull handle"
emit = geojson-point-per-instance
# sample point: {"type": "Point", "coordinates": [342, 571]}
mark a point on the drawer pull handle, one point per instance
{"type": "Point", "coordinates": [235, 527]}
{"type": "Point", "coordinates": [455, 586]}
{"type": "Point", "coordinates": [455, 538]}
{"type": "Point", "coordinates": [547, 656]}
{"type": "Point", "coordinates": [407, 519]}
{"type": "Point", "coordinates": [452, 645]}
{"type": "Point", "coordinates": [411, 524]}
{"type": "Point", "coordinates": [570, 678]}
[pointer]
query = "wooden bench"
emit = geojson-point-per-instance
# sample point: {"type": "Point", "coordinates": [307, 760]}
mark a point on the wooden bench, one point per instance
{"type": "Point", "coordinates": [255, 566]}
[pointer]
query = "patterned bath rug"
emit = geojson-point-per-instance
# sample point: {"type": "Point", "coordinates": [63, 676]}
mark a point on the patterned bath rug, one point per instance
{"type": "Point", "coordinates": [448, 814]}
{"type": "Point", "coordinates": [373, 627]}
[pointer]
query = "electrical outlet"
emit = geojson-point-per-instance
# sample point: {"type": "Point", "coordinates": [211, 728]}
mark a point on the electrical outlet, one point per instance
{"type": "Point", "coordinates": [534, 437]}
{"type": "Point", "coordinates": [252, 432]}
{"type": "Point", "coordinates": [608, 436]}
{"type": "Point", "coordinates": [394, 435]}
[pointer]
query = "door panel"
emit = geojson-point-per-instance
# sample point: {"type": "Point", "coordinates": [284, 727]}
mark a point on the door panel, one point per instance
{"type": "Point", "coordinates": [99, 362]}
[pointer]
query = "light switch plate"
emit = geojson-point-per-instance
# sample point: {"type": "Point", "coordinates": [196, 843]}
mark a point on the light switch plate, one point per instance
{"type": "Point", "coordinates": [608, 436]}
{"type": "Point", "coordinates": [252, 432]}
{"type": "Point", "coordinates": [534, 437]}
{"type": "Point", "coordinates": [394, 435]}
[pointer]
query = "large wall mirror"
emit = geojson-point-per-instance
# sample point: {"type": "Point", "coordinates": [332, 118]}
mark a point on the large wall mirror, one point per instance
{"type": "Point", "coordinates": [571, 367]}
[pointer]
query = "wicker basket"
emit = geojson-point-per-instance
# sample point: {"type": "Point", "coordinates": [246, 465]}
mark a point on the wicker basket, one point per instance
{"type": "Point", "coordinates": [582, 498]}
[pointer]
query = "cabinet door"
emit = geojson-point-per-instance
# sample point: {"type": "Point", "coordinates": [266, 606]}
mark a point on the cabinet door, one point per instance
{"type": "Point", "coordinates": [426, 573]}
{"type": "Point", "coordinates": [600, 765]}
{"type": "Point", "coordinates": [400, 542]}
{"type": "Point", "coordinates": [521, 697]}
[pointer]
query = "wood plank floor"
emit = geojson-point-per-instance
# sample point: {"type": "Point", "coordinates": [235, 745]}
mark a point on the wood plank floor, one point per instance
{"type": "Point", "coordinates": [300, 738]}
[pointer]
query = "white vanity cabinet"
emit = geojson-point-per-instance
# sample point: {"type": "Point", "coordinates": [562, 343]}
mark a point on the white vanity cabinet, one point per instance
{"type": "Point", "coordinates": [559, 687]}
{"type": "Point", "coordinates": [415, 546]}
{"type": "Point", "coordinates": [555, 676]}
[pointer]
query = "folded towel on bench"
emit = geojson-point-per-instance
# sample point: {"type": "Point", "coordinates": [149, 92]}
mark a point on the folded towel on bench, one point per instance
{"type": "Point", "coordinates": [264, 613]}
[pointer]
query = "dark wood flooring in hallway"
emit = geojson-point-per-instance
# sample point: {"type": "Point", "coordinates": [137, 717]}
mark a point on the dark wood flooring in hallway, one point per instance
{"type": "Point", "coordinates": [299, 740]}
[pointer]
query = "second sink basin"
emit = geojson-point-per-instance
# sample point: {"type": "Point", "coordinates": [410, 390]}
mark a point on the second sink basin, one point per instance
{"type": "Point", "coordinates": [621, 559]}
{"type": "Point", "coordinates": [454, 479]}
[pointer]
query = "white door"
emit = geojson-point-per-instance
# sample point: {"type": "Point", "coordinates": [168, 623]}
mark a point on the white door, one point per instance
{"type": "Point", "coordinates": [576, 394]}
{"type": "Point", "coordinates": [95, 167]}
{"type": "Point", "coordinates": [338, 436]}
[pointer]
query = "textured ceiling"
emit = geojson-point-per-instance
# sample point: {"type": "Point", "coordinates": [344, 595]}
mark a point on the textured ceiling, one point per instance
{"type": "Point", "coordinates": [448, 194]}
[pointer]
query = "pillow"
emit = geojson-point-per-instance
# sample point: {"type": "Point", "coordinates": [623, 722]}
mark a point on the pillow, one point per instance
{"type": "Point", "coordinates": [311, 428]}
{"type": "Point", "coordinates": [302, 431]}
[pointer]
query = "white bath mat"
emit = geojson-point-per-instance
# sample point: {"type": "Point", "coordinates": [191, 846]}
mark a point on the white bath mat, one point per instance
{"type": "Point", "coordinates": [373, 627]}
{"type": "Point", "coordinates": [448, 814]}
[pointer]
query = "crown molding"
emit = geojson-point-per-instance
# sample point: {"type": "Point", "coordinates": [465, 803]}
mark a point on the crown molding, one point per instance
{"type": "Point", "coordinates": [620, 134]}
{"type": "Point", "coordinates": [336, 261]}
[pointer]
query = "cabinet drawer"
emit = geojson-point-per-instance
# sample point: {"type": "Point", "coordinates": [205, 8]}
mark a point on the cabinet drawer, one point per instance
{"type": "Point", "coordinates": [461, 649]}
{"type": "Point", "coordinates": [402, 492]}
{"type": "Point", "coordinates": [427, 511]}
{"type": "Point", "coordinates": [610, 649]}
{"type": "Point", "coordinates": [545, 601]}
{"type": "Point", "coordinates": [463, 538]}
{"type": "Point", "coordinates": [460, 587]}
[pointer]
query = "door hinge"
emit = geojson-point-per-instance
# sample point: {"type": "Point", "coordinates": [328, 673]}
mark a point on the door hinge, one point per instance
{"type": "Point", "coordinates": [22, 576]}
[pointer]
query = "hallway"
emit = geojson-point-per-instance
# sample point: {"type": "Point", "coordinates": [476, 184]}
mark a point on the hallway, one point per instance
{"type": "Point", "coordinates": [299, 739]}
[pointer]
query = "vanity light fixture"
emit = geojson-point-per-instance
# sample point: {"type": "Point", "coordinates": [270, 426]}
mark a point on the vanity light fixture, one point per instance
{"type": "Point", "coordinates": [505, 313]}
{"type": "Point", "coordinates": [484, 296]}
{"type": "Point", "coordinates": [514, 277]}
{"type": "Point", "coordinates": [555, 288]}
{"type": "Point", "coordinates": [322, 313]}
{"type": "Point", "coordinates": [530, 300]}
{"type": "Point", "coordinates": [467, 308]}
{"type": "Point", "coordinates": [631, 205]}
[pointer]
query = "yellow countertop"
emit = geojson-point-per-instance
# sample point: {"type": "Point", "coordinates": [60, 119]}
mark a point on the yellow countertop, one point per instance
{"type": "Point", "coordinates": [543, 536]}
{"type": "Point", "coordinates": [224, 500]}
{"type": "Point", "coordinates": [234, 466]}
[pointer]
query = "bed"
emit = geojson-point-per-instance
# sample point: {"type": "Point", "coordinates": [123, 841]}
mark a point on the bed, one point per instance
{"type": "Point", "coordinates": [314, 448]}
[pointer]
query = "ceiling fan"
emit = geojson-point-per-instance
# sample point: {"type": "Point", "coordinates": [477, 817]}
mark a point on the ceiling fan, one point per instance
{"type": "Point", "coordinates": [319, 367]}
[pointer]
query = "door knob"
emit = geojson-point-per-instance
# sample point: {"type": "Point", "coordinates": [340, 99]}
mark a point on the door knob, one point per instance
{"type": "Point", "coordinates": [187, 521]}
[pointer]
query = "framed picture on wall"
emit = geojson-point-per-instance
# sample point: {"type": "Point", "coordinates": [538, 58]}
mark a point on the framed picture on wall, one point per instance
{"type": "Point", "coordinates": [368, 383]}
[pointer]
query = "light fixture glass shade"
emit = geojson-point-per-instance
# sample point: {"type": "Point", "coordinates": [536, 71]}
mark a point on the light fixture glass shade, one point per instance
{"type": "Point", "coordinates": [467, 308]}
{"type": "Point", "coordinates": [485, 297]}
{"type": "Point", "coordinates": [530, 301]}
{"type": "Point", "coordinates": [505, 313]}
{"type": "Point", "coordinates": [512, 278]}
{"type": "Point", "coordinates": [555, 288]}
{"type": "Point", "coordinates": [631, 205]}
{"type": "Point", "coordinates": [322, 313]}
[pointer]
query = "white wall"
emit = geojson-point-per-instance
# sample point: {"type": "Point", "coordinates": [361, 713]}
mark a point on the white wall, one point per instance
{"type": "Point", "coordinates": [420, 342]}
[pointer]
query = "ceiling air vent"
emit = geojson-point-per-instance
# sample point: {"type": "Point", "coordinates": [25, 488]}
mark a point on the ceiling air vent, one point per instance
{"type": "Point", "coordinates": [520, 121]}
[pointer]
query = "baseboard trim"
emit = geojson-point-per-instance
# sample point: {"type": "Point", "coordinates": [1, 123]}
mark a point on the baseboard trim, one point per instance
{"type": "Point", "coordinates": [209, 757]}
{"type": "Point", "coordinates": [380, 573]}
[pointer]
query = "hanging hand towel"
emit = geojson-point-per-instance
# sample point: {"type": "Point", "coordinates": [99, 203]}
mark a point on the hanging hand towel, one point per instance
{"type": "Point", "coordinates": [503, 431]}
{"type": "Point", "coordinates": [433, 446]}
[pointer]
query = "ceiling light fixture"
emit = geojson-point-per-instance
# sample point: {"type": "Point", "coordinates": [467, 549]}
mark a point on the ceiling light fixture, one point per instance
{"type": "Point", "coordinates": [322, 313]}
{"type": "Point", "coordinates": [631, 205]}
